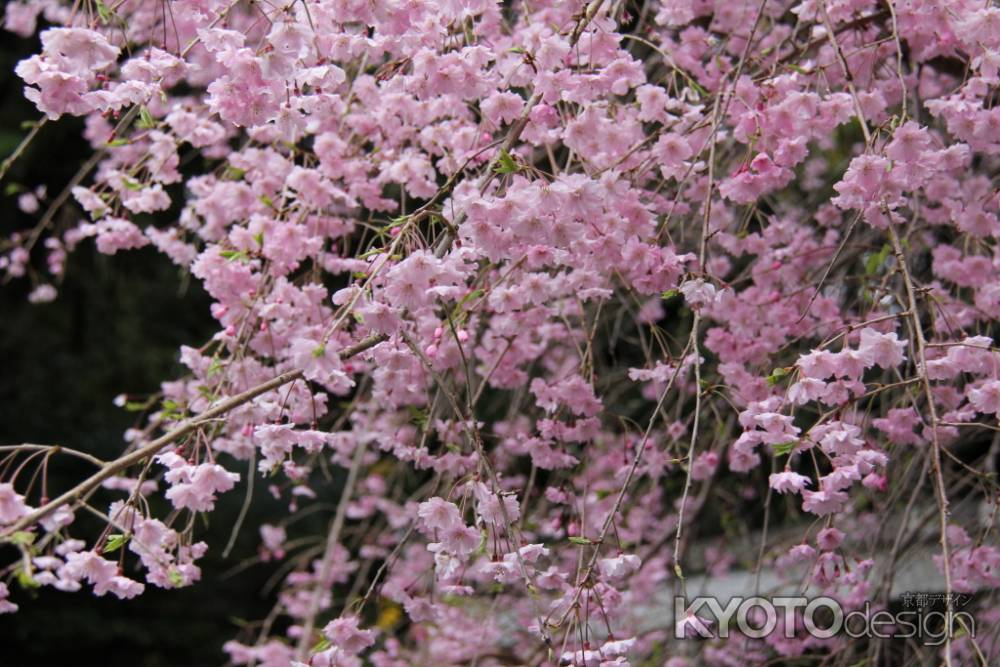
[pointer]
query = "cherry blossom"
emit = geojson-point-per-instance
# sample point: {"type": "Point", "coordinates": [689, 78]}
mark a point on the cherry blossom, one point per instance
{"type": "Point", "coordinates": [532, 303]}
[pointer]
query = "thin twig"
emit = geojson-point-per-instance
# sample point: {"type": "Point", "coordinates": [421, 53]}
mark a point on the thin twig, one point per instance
{"type": "Point", "coordinates": [938, 476]}
{"type": "Point", "coordinates": [326, 564]}
{"type": "Point", "coordinates": [12, 158]}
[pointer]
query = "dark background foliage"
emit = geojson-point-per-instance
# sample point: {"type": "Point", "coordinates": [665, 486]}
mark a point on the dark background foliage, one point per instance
{"type": "Point", "coordinates": [115, 327]}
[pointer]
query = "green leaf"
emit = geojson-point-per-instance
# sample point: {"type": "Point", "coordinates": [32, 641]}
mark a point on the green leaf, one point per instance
{"type": "Point", "coordinates": [777, 374]}
{"type": "Point", "coordinates": [13, 189]}
{"type": "Point", "coordinates": [474, 294]}
{"type": "Point", "coordinates": [783, 448]}
{"type": "Point", "coordinates": [103, 12]}
{"type": "Point", "coordinates": [321, 645]}
{"type": "Point", "coordinates": [876, 260]}
{"type": "Point", "coordinates": [175, 578]}
{"type": "Point", "coordinates": [319, 351]}
{"type": "Point", "coordinates": [580, 540]}
{"type": "Point", "coordinates": [700, 89]}
{"type": "Point", "coordinates": [259, 238]}
{"type": "Point", "coordinates": [670, 294]}
{"type": "Point", "coordinates": [233, 173]}
{"type": "Point", "coordinates": [267, 201]}
{"type": "Point", "coordinates": [25, 579]}
{"type": "Point", "coordinates": [115, 143]}
{"type": "Point", "coordinates": [483, 539]}
{"type": "Point", "coordinates": [115, 542]}
{"type": "Point", "coordinates": [130, 184]}
{"type": "Point", "coordinates": [146, 120]}
{"type": "Point", "coordinates": [233, 255]}
{"type": "Point", "coordinates": [418, 417]}
{"type": "Point", "coordinates": [170, 409]}
{"type": "Point", "coordinates": [505, 163]}
{"type": "Point", "coordinates": [22, 538]}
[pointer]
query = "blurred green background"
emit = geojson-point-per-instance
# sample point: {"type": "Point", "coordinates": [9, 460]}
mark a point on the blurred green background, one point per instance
{"type": "Point", "coordinates": [115, 327]}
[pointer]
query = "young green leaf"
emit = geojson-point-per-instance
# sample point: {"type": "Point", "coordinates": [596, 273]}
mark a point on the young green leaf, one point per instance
{"type": "Point", "coordinates": [783, 448]}
{"type": "Point", "coordinates": [115, 542]}
{"type": "Point", "coordinates": [777, 374]}
{"type": "Point", "coordinates": [146, 120]}
{"type": "Point", "coordinates": [505, 163]}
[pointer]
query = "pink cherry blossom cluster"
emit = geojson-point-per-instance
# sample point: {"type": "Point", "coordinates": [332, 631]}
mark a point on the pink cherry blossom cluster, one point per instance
{"type": "Point", "coordinates": [584, 300]}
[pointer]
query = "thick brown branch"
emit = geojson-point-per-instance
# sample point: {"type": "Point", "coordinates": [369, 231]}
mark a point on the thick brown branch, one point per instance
{"type": "Point", "coordinates": [114, 467]}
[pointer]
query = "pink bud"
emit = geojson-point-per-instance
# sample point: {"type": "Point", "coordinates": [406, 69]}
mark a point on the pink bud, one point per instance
{"type": "Point", "coordinates": [438, 333]}
{"type": "Point", "coordinates": [431, 350]}
{"type": "Point", "coordinates": [462, 336]}
{"type": "Point", "coordinates": [875, 482]}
